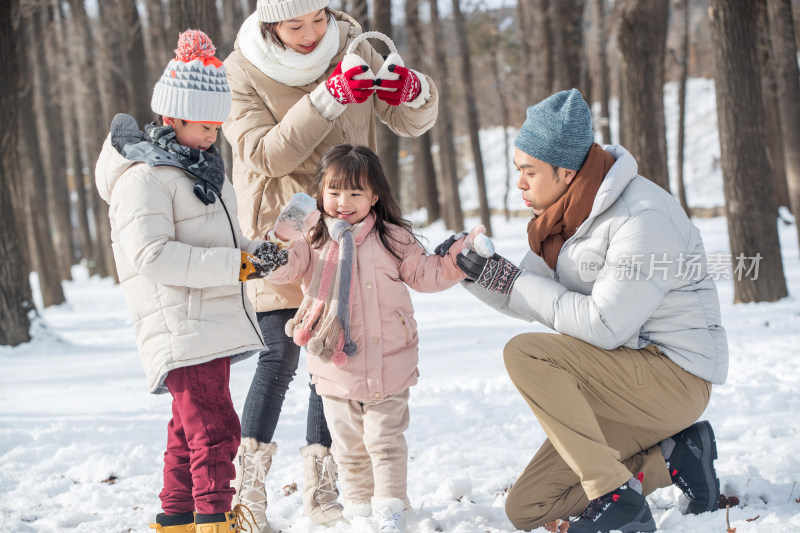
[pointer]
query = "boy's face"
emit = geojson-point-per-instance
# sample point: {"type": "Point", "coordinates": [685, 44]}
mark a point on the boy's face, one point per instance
{"type": "Point", "coordinates": [199, 135]}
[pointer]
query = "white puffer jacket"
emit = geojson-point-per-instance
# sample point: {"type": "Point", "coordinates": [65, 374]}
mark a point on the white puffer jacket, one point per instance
{"type": "Point", "coordinates": [634, 274]}
{"type": "Point", "coordinates": [178, 261]}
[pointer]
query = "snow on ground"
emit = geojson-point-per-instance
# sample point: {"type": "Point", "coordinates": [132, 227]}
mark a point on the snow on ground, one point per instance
{"type": "Point", "coordinates": [81, 440]}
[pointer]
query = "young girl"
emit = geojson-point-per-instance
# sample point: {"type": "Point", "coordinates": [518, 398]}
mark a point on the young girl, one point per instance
{"type": "Point", "coordinates": [291, 102]}
{"type": "Point", "coordinates": [358, 324]}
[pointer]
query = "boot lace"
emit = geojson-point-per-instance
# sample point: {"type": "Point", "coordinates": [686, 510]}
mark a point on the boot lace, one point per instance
{"type": "Point", "coordinates": [239, 519]}
{"type": "Point", "coordinates": [597, 506]}
{"type": "Point", "coordinates": [255, 473]}
{"type": "Point", "coordinates": [326, 492]}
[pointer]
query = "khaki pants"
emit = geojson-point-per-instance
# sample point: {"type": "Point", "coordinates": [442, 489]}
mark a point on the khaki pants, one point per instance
{"type": "Point", "coordinates": [369, 446]}
{"type": "Point", "coordinates": [604, 413]}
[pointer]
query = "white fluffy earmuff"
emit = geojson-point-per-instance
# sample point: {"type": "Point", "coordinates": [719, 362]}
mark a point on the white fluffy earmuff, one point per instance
{"type": "Point", "coordinates": [351, 59]}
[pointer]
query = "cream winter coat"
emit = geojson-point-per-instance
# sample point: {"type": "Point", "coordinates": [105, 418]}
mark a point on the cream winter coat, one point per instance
{"type": "Point", "coordinates": [381, 315]}
{"type": "Point", "coordinates": [178, 263]}
{"type": "Point", "coordinates": [278, 138]}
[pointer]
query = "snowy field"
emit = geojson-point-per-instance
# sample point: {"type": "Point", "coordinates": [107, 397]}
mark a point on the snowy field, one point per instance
{"type": "Point", "coordinates": [81, 440]}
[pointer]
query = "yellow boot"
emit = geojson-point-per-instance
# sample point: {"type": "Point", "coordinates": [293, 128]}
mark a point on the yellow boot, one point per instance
{"type": "Point", "coordinates": [231, 522]}
{"type": "Point", "coordinates": [176, 523]}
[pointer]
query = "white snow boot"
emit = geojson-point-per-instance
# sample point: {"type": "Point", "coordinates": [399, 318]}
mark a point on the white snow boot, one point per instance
{"type": "Point", "coordinates": [390, 515]}
{"type": "Point", "coordinates": [252, 464]}
{"type": "Point", "coordinates": [319, 485]}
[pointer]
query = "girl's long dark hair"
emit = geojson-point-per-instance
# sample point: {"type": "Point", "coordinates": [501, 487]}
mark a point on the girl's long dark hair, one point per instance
{"type": "Point", "coordinates": [357, 167]}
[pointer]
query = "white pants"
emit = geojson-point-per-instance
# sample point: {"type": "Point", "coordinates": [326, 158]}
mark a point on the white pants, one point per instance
{"type": "Point", "coordinates": [369, 447]}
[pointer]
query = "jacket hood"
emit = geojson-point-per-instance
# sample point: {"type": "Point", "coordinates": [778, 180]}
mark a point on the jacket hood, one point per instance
{"type": "Point", "coordinates": [111, 164]}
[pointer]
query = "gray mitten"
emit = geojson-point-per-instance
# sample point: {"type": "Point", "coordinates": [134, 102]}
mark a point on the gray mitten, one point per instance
{"type": "Point", "coordinates": [271, 256]}
{"type": "Point", "coordinates": [495, 273]}
{"type": "Point", "coordinates": [295, 219]}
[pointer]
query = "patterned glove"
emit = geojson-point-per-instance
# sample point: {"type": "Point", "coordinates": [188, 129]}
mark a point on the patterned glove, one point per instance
{"type": "Point", "coordinates": [267, 258]}
{"type": "Point", "coordinates": [347, 90]}
{"type": "Point", "coordinates": [496, 273]}
{"type": "Point", "coordinates": [295, 219]}
{"type": "Point", "coordinates": [444, 247]}
{"type": "Point", "coordinates": [405, 89]}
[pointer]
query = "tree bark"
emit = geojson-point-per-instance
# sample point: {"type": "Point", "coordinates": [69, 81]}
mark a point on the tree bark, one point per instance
{"type": "Point", "coordinates": [16, 300]}
{"type": "Point", "coordinates": [684, 75]}
{"type": "Point", "coordinates": [473, 125]}
{"type": "Point", "coordinates": [527, 34]}
{"type": "Point", "coordinates": [51, 127]}
{"type": "Point", "coordinates": [600, 74]}
{"type": "Point", "coordinates": [388, 142]}
{"type": "Point", "coordinates": [642, 37]}
{"type": "Point", "coordinates": [788, 88]}
{"type": "Point", "coordinates": [752, 224]}
{"type": "Point", "coordinates": [543, 45]}
{"type": "Point", "coordinates": [453, 215]}
{"type": "Point", "coordinates": [360, 12]}
{"type": "Point", "coordinates": [566, 26]}
{"type": "Point", "coordinates": [194, 14]}
{"type": "Point", "coordinates": [159, 51]}
{"type": "Point", "coordinates": [424, 169]}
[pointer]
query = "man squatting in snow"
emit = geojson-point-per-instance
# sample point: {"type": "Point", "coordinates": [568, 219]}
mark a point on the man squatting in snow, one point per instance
{"type": "Point", "coordinates": [618, 270]}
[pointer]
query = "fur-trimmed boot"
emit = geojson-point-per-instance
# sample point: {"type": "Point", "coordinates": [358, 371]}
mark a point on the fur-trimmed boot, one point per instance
{"type": "Point", "coordinates": [252, 465]}
{"type": "Point", "coordinates": [319, 485]}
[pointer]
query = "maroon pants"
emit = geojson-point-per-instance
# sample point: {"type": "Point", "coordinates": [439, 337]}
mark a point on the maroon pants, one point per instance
{"type": "Point", "coordinates": [202, 440]}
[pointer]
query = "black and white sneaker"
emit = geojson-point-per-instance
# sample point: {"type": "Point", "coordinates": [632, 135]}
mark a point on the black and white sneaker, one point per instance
{"type": "Point", "coordinates": [623, 509]}
{"type": "Point", "coordinates": [691, 465]}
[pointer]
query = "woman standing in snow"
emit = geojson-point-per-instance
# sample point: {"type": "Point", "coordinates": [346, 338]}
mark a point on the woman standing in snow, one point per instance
{"type": "Point", "coordinates": [291, 102]}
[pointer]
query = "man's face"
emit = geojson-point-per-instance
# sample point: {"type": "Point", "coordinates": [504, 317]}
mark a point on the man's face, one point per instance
{"type": "Point", "coordinates": [541, 186]}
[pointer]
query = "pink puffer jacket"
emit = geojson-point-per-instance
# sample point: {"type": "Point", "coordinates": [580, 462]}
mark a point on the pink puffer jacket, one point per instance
{"type": "Point", "coordinates": [381, 316]}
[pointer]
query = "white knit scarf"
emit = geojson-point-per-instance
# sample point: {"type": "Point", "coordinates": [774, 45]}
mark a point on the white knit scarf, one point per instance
{"type": "Point", "coordinates": [287, 66]}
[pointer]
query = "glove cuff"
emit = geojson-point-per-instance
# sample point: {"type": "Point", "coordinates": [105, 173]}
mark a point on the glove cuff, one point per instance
{"type": "Point", "coordinates": [498, 276]}
{"type": "Point", "coordinates": [424, 91]}
{"type": "Point", "coordinates": [246, 267]}
{"type": "Point", "coordinates": [324, 102]}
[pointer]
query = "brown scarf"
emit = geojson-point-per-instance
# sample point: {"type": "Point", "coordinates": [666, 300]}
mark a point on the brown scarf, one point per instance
{"type": "Point", "coordinates": [548, 232]}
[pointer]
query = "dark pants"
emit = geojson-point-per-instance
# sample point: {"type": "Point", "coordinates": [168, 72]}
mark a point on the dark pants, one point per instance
{"type": "Point", "coordinates": [276, 368]}
{"type": "Point", "coordinates": [202, 439]}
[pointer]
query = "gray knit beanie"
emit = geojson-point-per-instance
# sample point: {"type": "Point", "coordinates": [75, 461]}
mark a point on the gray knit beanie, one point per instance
{"type": "Point", "coordinates": [278, 10]}
{"type": "Point", "coordinates": [558, 130]}
{"type": "Point", "coordinates": [194, 86]}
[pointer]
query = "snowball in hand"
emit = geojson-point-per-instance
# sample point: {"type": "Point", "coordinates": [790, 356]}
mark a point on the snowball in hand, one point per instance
{"type": "Point", "coordinates": [478, 241]}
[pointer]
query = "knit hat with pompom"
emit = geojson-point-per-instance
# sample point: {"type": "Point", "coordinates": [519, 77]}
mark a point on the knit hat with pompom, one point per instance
{"type": "Point", "coordinates": [193, 87]}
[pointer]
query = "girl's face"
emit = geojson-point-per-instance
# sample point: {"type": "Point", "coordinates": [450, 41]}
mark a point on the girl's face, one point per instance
{"type": "Point", "coordinates": [350, 205]}
{"type": "Point", "coordinates": [302, 34]}
{"type": "Point", "coordinates": [199, 135]}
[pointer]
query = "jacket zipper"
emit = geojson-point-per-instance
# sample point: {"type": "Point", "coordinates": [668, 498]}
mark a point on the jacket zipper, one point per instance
{"type": "Point", "coordinates": [241, 285]}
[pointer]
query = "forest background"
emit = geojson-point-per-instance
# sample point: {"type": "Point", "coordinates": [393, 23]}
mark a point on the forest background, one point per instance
{"type": "Point", "coordinates": [71, 65]}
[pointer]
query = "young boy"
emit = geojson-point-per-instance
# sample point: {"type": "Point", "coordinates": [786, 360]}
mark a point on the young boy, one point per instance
{"type": "Point", "coordinates": [180, 257]}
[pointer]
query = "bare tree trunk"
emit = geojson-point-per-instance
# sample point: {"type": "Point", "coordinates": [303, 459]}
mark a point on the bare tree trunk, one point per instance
{"type": "Point", "coordinates": [159, 51]}
{"type": "Point", "coordinates": [360, 12]}
{"type": "Point", "coordinates": [684, 75]}
{"type": "Point", "coordinates": [642, 37]}
{"type": "Point", "coordinates": [527, 33]}
{"type": "Point", "coordinates": [788, 77]}
{"type": "Point", "coordinates": [473, 125]}
{"type": "Point", "coordinates": [495, 51]}
{"type": "Point", "coordinates": [33, 175]}
{"type": "Point", "coordinates": [136, 74]}
{"type": "Point", "coordinates": [566, 25]}
{"type": "Point", "coordinates": [51, 127]}
{"type": "Point", "coordinates": [195, 14]}
{"type": "Point", "coordinates": [543, 35]}
{"type": "Point", "coordinates": [454, 216]}
{"type": "Point", "coordinates": [16, 300]}
{"type": "Point", "coordinates": [600, 74]}
{"type": "Point", "coordinates": [89, 125]}
{"type": "Point", "coordinates": [388, 142]}
{"type": "Point", "coordinates": [424, 170]}
{"type": "Point", "coordinates": [752, 224]}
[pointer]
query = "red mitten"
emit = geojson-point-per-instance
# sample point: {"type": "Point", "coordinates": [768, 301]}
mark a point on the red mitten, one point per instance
{"type": "Point", "coordinates": [347, 90]}
{"type": "Point", "coordinates": [404, 89]}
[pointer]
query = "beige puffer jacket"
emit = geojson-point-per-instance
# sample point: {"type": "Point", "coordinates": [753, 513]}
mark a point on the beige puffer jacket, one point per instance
{"type": "Point", "coordinates": [178, 263]}
{"type": "Point", "coordinates": [278, 138]}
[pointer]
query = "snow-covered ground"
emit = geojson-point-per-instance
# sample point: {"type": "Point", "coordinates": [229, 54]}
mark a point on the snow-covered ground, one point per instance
{"type": "Point", "coordinates": [81, 441]}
